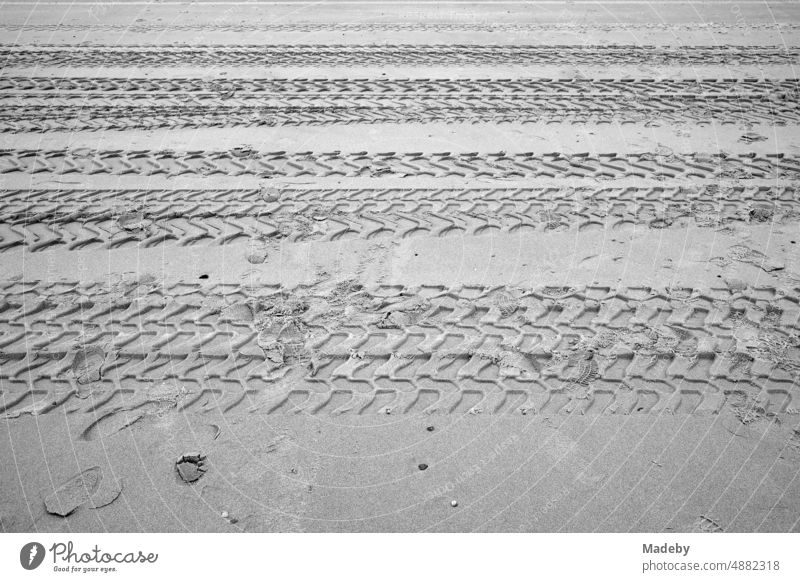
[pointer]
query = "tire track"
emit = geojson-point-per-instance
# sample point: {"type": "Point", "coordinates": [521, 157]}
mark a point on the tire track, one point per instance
{"type": "Point", "coordinates": [145, 87]}
{"type": "Point", "coordinates": [243, 161]}
{"type": "Point", "coordinates": [345, 349]}
{"type": "Point", "coordinates": [702, 110]}
{"type": "Point", "coordinates": [45, 104]}
{"type": "Point", "coordinates": [292, 55]}
{"type": "Point", "coordinates": [82, 219]}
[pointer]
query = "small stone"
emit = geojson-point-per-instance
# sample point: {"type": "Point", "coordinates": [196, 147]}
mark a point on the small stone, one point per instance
{"type": "Point", "coordinates": [224, 515]}
{"type": "Point", "coordinates": [454, 503]}
{"type": "Point", "coordinates": [422, 466]}
{"type": "Point", "coordinates": [270, 195]}
{"type": "Point", "coordinates": [430, 429]}
{"type": "Point", "coordinates": [256, 256]}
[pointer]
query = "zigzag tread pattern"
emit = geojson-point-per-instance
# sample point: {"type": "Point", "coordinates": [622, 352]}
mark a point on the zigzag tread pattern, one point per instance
{"type": "Point", "coordinates": [48, 104]}
{"type": "Point", "coordinates": [87, 116]}
{"type": "Point", "coordinates": [79, 219]}
{"type": "Point", "coordinates": [340, 348]}
{"type": "Point", "coordinates": [243, 161]}
{"type": "Point", "coordinates": [146, 87]}
{"type": "Point", "coordinates": [384, 55]}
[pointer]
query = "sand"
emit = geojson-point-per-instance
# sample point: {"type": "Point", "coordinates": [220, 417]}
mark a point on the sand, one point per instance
{"type": "Point", "coordinates": [375, 268]}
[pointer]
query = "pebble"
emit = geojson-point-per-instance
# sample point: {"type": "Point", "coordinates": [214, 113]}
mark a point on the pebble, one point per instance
{"type": "Point", "coordinates": [454, 503]}
{"type": "Point", "coordinates": [256, 256]}
{"type": "Point", "coordinates": [422, 466]}
{"type": "Point", "coordinates": [270, 195]}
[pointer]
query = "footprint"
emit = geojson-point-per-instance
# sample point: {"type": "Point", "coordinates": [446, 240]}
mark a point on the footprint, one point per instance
{"type": "Point", "coordinates": [73, 493]}
{"type": "Point", "coordinates": [88, 364]}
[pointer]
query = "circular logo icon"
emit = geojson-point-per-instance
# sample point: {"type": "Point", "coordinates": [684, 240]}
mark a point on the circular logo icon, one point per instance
{"type": "Point", "coordinates": [31, 555]}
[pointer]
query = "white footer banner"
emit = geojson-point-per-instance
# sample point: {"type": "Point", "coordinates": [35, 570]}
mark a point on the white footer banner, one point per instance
{"type": "Point", "coordinates": [405, 557]}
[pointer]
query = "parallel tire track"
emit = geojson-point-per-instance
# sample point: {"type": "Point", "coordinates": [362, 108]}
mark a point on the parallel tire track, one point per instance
{"type": "Point", "coordinates": [82, 219]}
{"type": "Point", "coordinates": [145, 87]}
{"type": "Point", "coordinates": [242, 161]}
{"type": "Point", "coordinates": [86, 116]}
{"type": "Point", "coordinates": [387, 55]}
{"type": "Point", "coordinates": [91, 104]}
{"type": "Point", "coordinates": [345, 349]}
